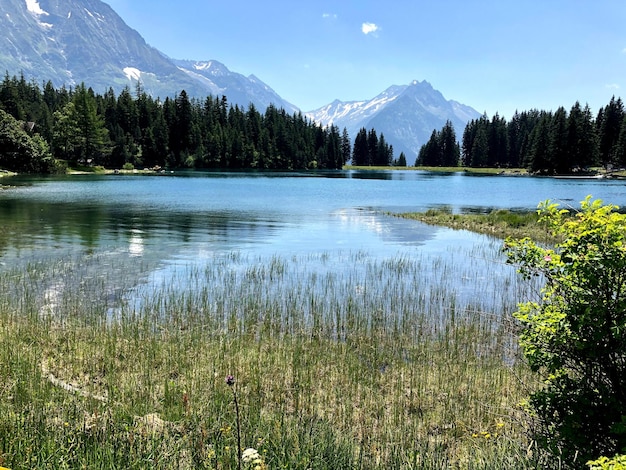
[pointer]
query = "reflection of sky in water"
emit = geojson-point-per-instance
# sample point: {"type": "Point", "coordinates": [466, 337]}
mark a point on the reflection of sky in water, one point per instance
{"type": "Point", "coordinates": [117, 233]}
{"type": "Point", "coordinates": [135, 243]}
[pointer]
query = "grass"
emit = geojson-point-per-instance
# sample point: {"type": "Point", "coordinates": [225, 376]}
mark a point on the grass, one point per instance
{"type": "Point", "coordinates": [382, 366]}
{"type": "Point", "coordinates": [446, 169]}
{"type": "Point", "coordinates": [497, 223]}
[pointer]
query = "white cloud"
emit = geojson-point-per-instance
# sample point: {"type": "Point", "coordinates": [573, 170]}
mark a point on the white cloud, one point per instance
{"type": "Point", "coordinates": [612, 86]}
{"type": "Point", "coordinates": [332, 16]}
{"type": "Point", "coordinates": [369, 28]}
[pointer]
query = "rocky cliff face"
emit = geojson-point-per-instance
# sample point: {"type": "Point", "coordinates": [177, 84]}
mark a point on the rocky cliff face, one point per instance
{"type": "Point", "coordinates": [74, 41]}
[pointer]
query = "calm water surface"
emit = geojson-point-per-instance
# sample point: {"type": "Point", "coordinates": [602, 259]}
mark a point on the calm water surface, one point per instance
{"type": "Point", "coordinates": [142, 229]}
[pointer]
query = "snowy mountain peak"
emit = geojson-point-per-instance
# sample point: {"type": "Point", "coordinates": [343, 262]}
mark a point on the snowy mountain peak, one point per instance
{"type": "Point", "coordinates": [405, 114]}
{"type": "Point", "coordinates": [72, 41]}
{"type": "Point", "coordinates": [211, 67]}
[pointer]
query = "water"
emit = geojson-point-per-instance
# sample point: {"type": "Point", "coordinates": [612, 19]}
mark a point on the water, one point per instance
{"type": "Point", "coordinates": [119, 234]}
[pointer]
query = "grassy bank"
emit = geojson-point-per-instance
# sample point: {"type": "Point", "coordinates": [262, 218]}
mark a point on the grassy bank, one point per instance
{"type": "Point", "coordinates": [497, 223]}
{"type": "Point", "coordinates": [390, 370]}
{"type": "Point", "coordinates": [446, 169]}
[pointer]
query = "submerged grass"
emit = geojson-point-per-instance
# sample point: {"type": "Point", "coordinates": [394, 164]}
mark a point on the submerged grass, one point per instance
{"type": "Point", "coordinates": [382, 366]}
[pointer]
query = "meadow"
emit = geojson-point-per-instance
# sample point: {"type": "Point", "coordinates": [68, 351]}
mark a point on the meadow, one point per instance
{"type": "Point", "coordinates": [333, 369]}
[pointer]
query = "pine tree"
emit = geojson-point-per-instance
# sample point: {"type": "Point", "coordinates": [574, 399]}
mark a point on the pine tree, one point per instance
{"type": "Point", "coordinates": [360, 150]}
{"type": "Point", "coordinates": [609, 124]}
{"type": "Point", "coordinates": [449, 149]}
{"type": "Point", "coordinates": [346, 147]}
{"type": "Point", "coordinates": [558, 142]}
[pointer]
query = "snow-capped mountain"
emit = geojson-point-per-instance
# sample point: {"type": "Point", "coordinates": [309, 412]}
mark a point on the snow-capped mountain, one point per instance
{"type": "Point", "coordinates": [238, 88]}
{"type": "Point", "coordinates": [406, 115]}
{"type": "Point", "coordinates": [74, 41]}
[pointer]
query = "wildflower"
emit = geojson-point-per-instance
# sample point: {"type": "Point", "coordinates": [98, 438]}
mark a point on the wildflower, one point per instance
{"type": "Point", "coordinates": [250, 455]}
{"type": "Point", "coordinates": [547, 258]}
{"type": "Point", "coordinates": [230, 380]}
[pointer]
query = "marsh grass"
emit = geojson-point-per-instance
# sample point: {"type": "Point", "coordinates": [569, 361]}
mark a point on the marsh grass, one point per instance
{"type": "Point", "coordinates": [497, 223]}
{"type": "Point", "coordinates": [381, 365]}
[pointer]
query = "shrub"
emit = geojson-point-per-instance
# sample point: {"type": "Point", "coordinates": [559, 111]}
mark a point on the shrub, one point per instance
{"type": "Point", "coordinates": [575, 335]}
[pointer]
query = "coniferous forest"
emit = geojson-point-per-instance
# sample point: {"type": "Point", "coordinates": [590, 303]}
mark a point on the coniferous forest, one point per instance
{"type": "Point", "coordinates": [78, 126]}
{"type": "Point", "coordinates": [540, 141]}
{"type": "Point", "coordinates": [43, 129]}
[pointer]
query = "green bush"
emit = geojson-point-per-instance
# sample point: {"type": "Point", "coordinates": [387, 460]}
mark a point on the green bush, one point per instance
{"type": "Point", "coordinates": [604, 463]}
{"type": "Point", "coordinates": [575, 335]}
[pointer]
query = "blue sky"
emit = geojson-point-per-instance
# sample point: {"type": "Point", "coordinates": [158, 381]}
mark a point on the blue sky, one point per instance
{"type": "Point", "coordinates": [496, 56]}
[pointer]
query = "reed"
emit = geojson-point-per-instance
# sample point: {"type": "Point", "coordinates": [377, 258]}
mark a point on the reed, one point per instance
{"type": "Point", "coordinates": [340, 362]}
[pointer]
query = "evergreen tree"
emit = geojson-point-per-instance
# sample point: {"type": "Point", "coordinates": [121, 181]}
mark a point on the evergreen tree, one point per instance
{"type": "Point", "coordinates": [384, 154]}
{"type": "Point", "coordinates": [480, 146]}
{"type": "Point", "coordinates": [449, 149]}
{"type": "Point", "coordinates": [609, 125]}
{"type": "Point", "coordinates": [372, 147]}
{"type": "Point", "coordinates": [346, 147]}
{"type": "Point", "coordinates": [558, 137]}
{"type": "Point", "coordinates": [360, 150]}
{"type": "Point", "coordinates": [401, 160]}
{"type": "Point", "coordinates": [540, 158]}
{"type": "Point", "coordinates": [497, 155]}
{"type": "Point", "coordinates": [430, 152]}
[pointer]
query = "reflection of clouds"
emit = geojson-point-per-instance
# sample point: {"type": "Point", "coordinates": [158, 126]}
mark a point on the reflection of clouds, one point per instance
{"type": "Point", "coordinates": [353, 217]}
{"type": "Point", "coordinates": [135, 242]}
{"type": "Point", "coordinates": [388, 228]}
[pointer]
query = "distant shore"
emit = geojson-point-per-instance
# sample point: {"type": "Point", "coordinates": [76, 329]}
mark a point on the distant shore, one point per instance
{"type": "Point", "coordinates": [595, 173]}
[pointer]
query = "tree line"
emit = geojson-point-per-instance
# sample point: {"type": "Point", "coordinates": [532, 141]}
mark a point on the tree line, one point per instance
{"type": "Point", "coordinates": [78, 126]}
{"type": "Point", "coordinates": [543, 142]}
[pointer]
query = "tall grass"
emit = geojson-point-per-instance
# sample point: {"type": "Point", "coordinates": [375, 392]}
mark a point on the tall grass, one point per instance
{"type": "Point", "coordinates": [339, 363]}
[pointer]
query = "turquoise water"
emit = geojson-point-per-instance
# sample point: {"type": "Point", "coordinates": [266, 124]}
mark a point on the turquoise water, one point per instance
{"type": "Point", "coordinates": [124, 232]}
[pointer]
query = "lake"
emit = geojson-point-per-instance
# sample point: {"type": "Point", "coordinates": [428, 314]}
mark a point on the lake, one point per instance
{"type": "Point", "coordinates": [127, 234]}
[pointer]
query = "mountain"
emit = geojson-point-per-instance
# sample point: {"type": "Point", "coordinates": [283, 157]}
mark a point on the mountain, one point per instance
{"type": "Point", "coordinates": [406, 115]}
{"type": "Point", "coordinates": [74, 41]}
{"type": "Point", "coordinates": [238, 88]}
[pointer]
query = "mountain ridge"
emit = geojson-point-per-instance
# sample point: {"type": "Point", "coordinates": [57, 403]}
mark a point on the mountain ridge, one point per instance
{"type": "Point", "coordinates": [405, 114]}
{"type": "Point", "coordinates": [85, 41]}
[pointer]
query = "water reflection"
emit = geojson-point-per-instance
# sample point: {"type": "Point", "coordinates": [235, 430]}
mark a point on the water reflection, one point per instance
{"type": "Point", "coordinates": [115, 233]}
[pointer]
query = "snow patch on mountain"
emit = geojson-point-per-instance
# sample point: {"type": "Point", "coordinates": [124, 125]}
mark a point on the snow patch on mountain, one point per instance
{"type": "Point", "coordinates": [405, 114]}
{"type": "Point", "coordinates": [212, 87]}
{"type": "Point", "coordinates": [132, 73]}
{"type": "Point", "coordinates": [34, 7]}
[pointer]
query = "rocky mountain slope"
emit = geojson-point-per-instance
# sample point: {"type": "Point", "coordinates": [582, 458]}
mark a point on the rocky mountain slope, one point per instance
{"type": "Point", "coordinates": [74, 41]}
{"type": "Point", "coordinates": [406, 115]}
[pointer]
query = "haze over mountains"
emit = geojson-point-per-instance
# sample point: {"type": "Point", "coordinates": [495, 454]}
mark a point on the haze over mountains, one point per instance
{"type": "Point", "coordinates": [74, 41]}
